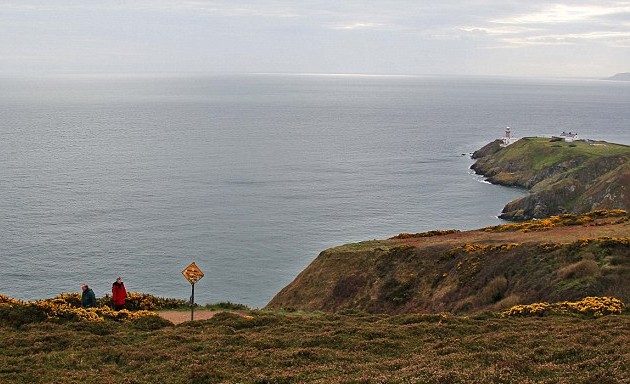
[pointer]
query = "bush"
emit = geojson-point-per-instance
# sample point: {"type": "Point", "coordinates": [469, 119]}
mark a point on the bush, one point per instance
{"type": "Point", "coordinates": [508, 302]}
{"type": "Point", "coordinates": [61, 308]}
{"type": "Point", "coordinates": [584, 268]}
{"type": "Point", "coordinates": [493, 291]}
{"type": "Point", "coordinates": [72, 299]}
{"type": "Point", "coordinates": [20, 314]}
{"type": "Point", "coordinates": [143, 301]}
{"type": "Point", "coordinates": [589, 306]}
{"type": "Point", "coordinates": [556, 221]}
{"type": "Point", "coordinates": [150, 323]}
{"type": "Point", "coordinates": [226, 305]}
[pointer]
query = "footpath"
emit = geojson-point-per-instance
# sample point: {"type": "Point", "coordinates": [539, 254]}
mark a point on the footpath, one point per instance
{"type": "Point", "coordinates": [177, 317]}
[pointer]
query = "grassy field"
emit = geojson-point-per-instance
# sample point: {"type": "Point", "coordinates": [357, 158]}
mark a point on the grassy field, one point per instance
{"type": "Point", "coordinates": [540, 152]}
{"type": "Point", "coordinates": [273, 347]}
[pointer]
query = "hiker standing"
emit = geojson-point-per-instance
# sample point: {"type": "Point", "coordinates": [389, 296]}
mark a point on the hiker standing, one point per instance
{"type": "Point", "coordinates": [88, 300]}
{"type": "Point", "coordinates": [119, 293]}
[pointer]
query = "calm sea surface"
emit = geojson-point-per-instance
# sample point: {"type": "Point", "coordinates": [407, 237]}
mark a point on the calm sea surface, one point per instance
{"type": "Point", "coordinates": [252, 176]}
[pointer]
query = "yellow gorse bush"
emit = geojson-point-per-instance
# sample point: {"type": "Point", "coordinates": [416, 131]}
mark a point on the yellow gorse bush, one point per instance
{"type": "Point", "coordinates": [135, 301]}
{"type": "Point", "coordinates": [590, 306]}
{"type": "Point", "coordinates": [6, 300]}
{"type": "Point", "coordinates": [143, 301]}
{"type": "Point", "coordinates": [556, 221]}
{"type": "Point", "coordinates": [58, 310]}
{"type": "Point", "coordinates": [483, 249]}
{"type": "Point", "coordinates": [67, 306]}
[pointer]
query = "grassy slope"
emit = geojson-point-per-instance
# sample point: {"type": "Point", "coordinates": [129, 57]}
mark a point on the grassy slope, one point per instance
{"type": "Point", "coordinates": [467, 271]}
{"type": "Point", "coordinates": [537, 153]}
{"type": "Point", "coordinates": [322, 348]}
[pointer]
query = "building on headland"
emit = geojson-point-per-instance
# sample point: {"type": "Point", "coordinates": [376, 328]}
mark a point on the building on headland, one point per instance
{"type": "Point", "coordinates": [507, 138]}
{"type": "Point", "coordinates": [567, 136]}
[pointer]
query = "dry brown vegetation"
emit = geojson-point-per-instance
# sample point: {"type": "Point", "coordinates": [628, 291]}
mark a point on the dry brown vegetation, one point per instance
{"type": "Point", "coordinates": [273, 347]}
{"type": "Point", "coordinates": [560, 258]}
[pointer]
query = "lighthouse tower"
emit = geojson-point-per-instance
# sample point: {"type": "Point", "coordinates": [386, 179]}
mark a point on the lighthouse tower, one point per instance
{"type": "Point", "coordinates": [507, 139]}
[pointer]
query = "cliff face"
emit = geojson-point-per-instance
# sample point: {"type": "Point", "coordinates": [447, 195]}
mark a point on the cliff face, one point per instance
{"type": "Point", "coordinates": [562, 258]}
{"type": "Point", "coordinates": [562, 177]}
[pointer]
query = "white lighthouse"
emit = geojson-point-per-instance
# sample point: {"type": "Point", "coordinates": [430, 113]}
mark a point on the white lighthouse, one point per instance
{"type": "Point", "coordinates": [507, 138]}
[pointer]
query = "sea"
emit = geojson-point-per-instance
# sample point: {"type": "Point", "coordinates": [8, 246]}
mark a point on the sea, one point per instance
{"type": "Point", "coordinates": [252, 176]}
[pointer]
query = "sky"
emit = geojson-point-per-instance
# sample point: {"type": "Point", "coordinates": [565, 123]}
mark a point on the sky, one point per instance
{"type": "Point", "coordinates": [446, 37]}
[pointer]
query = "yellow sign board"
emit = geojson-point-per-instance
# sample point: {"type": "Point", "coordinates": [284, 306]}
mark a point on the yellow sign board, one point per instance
{"type": "Point", "coordinates": [192, 273]}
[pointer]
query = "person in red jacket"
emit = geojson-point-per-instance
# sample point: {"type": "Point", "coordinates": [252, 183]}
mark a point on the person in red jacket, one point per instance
{"type": "Point", "coordinates": [119, 293]}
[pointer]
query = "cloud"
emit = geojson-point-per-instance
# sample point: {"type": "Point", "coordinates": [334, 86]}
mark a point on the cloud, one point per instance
{"type": "Point", "coordinates": [401, 36]}
{"type": "Point", "coordinates": [562, 14]}
{"type": "Point", "coordinates": [559, 24]}
{"type": "Point", "coordinates": [358, 26]}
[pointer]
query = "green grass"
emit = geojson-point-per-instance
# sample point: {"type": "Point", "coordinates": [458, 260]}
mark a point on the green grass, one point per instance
{"type": "Point", "coordinates": [366, 246]}
{"type": "Point", "coordinates": [542, 152]}
{"type": "Point", "coordinates": [271, 347]}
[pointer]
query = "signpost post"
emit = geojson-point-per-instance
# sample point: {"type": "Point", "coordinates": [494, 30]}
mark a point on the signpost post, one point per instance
{"type": "Point", "coordinates": [193, 274]}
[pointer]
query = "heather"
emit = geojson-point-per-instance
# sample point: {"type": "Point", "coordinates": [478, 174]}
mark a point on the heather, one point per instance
{"type": "Point", "coordinates": [349, 347]}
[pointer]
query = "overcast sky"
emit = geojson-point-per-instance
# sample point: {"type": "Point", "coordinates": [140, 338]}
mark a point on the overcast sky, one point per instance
{"type": "Point", "coordinates": [478, 37]}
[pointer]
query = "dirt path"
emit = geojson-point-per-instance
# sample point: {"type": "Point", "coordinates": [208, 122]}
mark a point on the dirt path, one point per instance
{"type": "Point", "coordinates": [557, 234]}
{"type": "Point", "coordinates": [177, 317]}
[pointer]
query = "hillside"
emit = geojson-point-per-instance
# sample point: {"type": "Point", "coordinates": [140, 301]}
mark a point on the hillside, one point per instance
{"type": "Point", "coordinates": [321, 348]}
{"type": "Point", "coordinates": [562, 177]}
{"type": "Point", "coordinates": [561, 258]}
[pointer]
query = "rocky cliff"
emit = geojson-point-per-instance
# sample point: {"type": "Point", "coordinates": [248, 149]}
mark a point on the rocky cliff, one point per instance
{"type": "Point", "coordinates": [562, 177]}
{"type": "Point", "coordinates": [554, 259]}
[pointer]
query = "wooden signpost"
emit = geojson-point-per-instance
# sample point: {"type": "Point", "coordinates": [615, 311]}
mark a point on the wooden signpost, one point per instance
{"type": "Point", "coordinates": [193, 274]}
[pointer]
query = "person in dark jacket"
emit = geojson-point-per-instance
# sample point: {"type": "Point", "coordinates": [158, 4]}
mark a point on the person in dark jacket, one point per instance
{"type": "Point", "coordinates": [119, 294]}
{"type": "Point", "coordinates": [88, 300]}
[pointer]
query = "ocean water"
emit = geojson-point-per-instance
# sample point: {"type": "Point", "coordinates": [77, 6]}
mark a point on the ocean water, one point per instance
{"type": "Point", "coordinates": [251, 176]}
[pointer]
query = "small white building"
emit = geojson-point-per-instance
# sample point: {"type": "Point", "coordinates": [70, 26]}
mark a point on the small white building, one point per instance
{"type": "Point", "coordinates": [567, 136]}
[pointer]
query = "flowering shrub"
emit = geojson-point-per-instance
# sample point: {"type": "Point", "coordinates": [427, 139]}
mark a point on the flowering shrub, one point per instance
{"type": "Point", "coordinates": [594, 306]}
{"type": "Point", "coordinates": [144, 301]}
{"type": "Point", "coordinates": [556, 221]}
{"type": "Point", "coordinates": [606, 213]}
{"type": "Point", "coordinates": [135, 301]}
{"type": "Point", "coordinates": [483, 249]}
{"type": "Point", "coordinates": [536, 309]}
{"type": "Point", "coordinates": [67, 307]}
{"type": "Point", "coordinates": [57, 309]}
{"type": "Point", "coordinates": [9, 301]}
{"type": "Point", "coordinates": [589, 306]}
{"type": "Point", "coordinates": [122, 315]}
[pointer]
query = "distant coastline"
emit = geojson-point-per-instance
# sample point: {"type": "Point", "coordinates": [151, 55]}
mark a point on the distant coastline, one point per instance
{"type": "Point", "coordinates": [624, 76]}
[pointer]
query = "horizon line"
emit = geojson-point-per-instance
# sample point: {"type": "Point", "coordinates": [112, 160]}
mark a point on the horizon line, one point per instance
{"type": "Point", "coordinates": [314, 74]}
